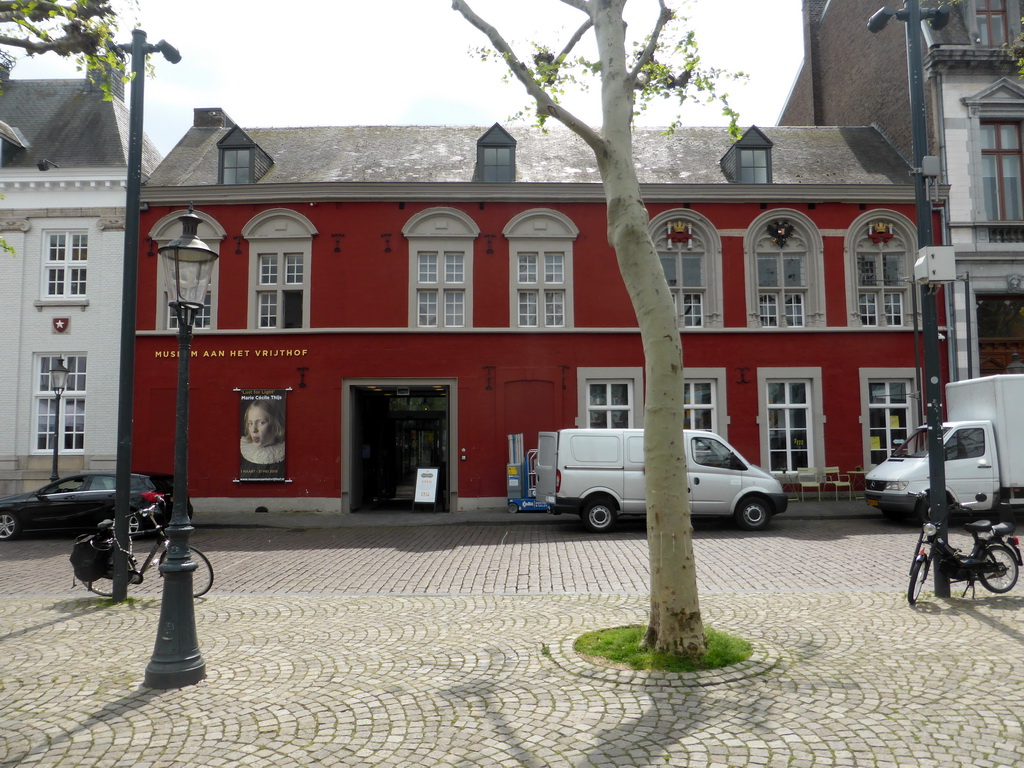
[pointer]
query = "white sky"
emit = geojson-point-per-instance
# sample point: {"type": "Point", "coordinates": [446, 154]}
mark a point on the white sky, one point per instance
{"type": "Point", "coordinates": [407, 62]}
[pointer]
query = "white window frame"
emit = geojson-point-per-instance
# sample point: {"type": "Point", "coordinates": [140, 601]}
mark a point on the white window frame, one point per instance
{"type": "Point", "coordinates": [704, 243]}
{"type": "Point", "coordinates": [869, 376]}
{"type": "Point", "coordinates": [210, 232]}
{"type": "Point", "coordinates": [633, 377]}
{"type": "Point", "coordinates": [541, 291]}
{"type": "Point", "coordinates": [753, 165]}
{"type": "Point", "coordinates": [74, 279]}
{"type": "Point", "coordinates": [71, 420]}
{"type": "Point", "coordinates": [203, 319]}
{"type": "Point", "coordinates": [276, 278]}
{"type": "Point", "coordinates": [811, 378]}
{"type": "Point", "coordinates": [283, 235]}
{"type": "Point", "coordinates": [610, 386]}
{"type": "Point", "coordinates": [450, 235]}
{"type": "Point", "coordinates": [707, 410]}
{"type": "Point", "coordinates": [780, 302]}
{"type": "Point", "coordinates": [868, 304]}
{"type": "Point", "coordinates": [541, 298]}
{"type": "Point", "coordinates": [440, 288]}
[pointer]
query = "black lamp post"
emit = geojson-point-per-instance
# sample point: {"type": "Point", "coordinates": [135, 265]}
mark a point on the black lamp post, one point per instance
{"type": "Point", "coordinates": [58, 382]}
{"type": "Point", "coordinates": [912, 15]}
{"type": "Point", "coordinates": [176, 660]}
{"type": "Point", "coordinates": [139, 50]}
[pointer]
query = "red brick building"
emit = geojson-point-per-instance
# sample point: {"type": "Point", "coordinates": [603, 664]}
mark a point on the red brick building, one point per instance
{"type": "Point", "coordinates": [414, 295]}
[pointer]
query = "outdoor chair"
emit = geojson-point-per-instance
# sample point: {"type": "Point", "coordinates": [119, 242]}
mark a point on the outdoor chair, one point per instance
{"type": "Point", "coordinates": [807, 479]}
{"type": "Point", "coordinates": [838, 481]}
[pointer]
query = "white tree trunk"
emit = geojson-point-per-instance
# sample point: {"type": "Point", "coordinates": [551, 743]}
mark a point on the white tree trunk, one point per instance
{"type": "Point", "coordinates": [675, 622]}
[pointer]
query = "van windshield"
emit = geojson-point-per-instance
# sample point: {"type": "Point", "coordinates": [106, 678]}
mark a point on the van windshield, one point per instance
{"type": "Point", "coordinates": [916, 446]}
{"type": "Point", "coordinates": [711, 453]}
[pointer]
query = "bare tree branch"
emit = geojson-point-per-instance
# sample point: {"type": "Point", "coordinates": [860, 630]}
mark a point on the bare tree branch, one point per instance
{"type": "Point", "coordinates": [664, 18]}
{"type": "Point", "coordinates": [522, 73]}
{"type": "Point", "coordinates": [576, 38]}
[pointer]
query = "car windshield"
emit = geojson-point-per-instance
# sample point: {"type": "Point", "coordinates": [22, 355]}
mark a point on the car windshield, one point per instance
{"type": "Point", "coordinates": [916, 446]}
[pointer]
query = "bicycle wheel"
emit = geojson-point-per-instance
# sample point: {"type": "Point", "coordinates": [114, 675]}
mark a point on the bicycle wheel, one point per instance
{"type": "Point", "coordinates": [918, 577]}
{"type": "Point", "coordinates": [1004, 581]}
{"type": "Point", "coordinates": [202, 576]}
{"type": "Point", "coordinates": [103, 588]}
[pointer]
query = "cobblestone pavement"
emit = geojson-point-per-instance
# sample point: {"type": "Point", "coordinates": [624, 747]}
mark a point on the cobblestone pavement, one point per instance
{"type": "Point", "coordinates": [451, 646]}
{"type": "Point", "coordinates": [523, 558]}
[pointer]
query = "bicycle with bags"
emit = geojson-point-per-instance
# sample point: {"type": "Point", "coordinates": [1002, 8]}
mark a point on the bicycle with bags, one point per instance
{"type": "Point", "coordinates": [994, 559]}
{"type": "Point", "coordinates": [92, 556]}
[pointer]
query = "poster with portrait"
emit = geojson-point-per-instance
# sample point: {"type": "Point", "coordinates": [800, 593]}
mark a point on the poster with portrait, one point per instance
{"type": "Point", "coordinates": [261, 447]}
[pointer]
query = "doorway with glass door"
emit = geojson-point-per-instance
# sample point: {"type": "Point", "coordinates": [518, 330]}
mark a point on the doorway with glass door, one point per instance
{"type": "Point", "coordinates": [397, 430]}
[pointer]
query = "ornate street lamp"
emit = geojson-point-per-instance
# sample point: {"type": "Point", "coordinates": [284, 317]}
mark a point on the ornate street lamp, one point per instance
{"type": "Point", "coordinates": [58, 383]}
{"type": "Point", "coordinates": [176, 660]}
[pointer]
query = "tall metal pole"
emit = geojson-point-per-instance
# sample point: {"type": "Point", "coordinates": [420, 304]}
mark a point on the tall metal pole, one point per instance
{"type": "Point", "coordinates": [929, 303]}
{"type": "Point", "coordinates": [54, 474]}
{"type": "Point", "coordinates": [129, 293]}
{"type": "Point", "coordinates": [129, 298]}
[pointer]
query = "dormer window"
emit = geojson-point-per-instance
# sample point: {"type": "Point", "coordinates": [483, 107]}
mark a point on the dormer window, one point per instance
{"type": "Point", "coordinates": [753, 166]}
{"type": "Point", "coordinates": [236, 166]}
{"type": "Point", "coordinates": [496, 156]}
{"type": "Point", "coordinates": [991, 17]}
{"type": "Point", "coordinates": [11, 143]}
{"type": "Point", "coordinates": [749, 160]}
{"type": "Point", "coordinates": [241, 159]}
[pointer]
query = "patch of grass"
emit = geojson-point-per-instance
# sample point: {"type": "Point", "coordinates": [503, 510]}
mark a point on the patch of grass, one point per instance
{"type": "Point", "coordinates": [621, 646]}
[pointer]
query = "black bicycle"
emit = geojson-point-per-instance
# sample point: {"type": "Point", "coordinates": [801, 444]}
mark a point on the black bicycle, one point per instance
{"type": "Point", "coordinates": [994, 559]}
{"type": "Point", "coordinates": [93, 561]}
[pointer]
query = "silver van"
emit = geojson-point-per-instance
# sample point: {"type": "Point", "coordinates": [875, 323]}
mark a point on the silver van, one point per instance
{"type": "Point", "coordinates": [598, 474]}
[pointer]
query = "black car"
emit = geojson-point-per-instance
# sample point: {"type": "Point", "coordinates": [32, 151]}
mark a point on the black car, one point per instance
{"type": "Point", "coordinates": [78, 502]}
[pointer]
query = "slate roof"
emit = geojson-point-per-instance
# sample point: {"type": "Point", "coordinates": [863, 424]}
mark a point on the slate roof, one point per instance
{"type": "Point", "coordinates": [68, 123]}
{"type": "Point", "coordinates": [437, 154]}
{"type": "Point", "coordinates": [954, 33]}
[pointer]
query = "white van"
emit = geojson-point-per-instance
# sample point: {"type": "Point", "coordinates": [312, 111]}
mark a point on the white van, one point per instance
{"type": "Point", "coordinates": [598, 474]}
{"type": "Point", "coordinates": [983, 441]}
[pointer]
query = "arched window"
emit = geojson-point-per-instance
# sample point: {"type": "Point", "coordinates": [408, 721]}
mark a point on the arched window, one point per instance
{"type": "Point", "coordinates": [280, 250]}
{"type": "Point", "coordinates": [881, 270]}
{"type": "Point", "coordinates": [540, 269]}
{"type": "Point", "coordinates": [440, 268]}
{"type": "Point", "coordinates": [210, 232]}
{"type": "Point", "coordinates": [785, 286]}
{"type": "Point", "coordinates": [690, 251]}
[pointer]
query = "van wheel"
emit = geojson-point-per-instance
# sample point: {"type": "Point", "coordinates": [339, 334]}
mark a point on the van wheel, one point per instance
{"type": "Point", "coordinates": [599, 515]}
{"type": "Point", "coordinates": [753, 514]}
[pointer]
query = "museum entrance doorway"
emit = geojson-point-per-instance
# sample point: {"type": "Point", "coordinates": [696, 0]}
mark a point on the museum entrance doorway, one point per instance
{"type": "Point", "coordinates": [397, 429]}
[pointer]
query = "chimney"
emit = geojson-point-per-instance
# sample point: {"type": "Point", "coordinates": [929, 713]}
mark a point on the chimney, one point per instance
{"type": "Point", "coordinates": [211, 117]}
{"type": "Point", "coordinates": [94, 79]}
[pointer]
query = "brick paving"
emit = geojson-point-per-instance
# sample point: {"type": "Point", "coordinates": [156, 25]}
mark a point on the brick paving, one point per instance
{"type": "Point", "coordinates": [451, 646]}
